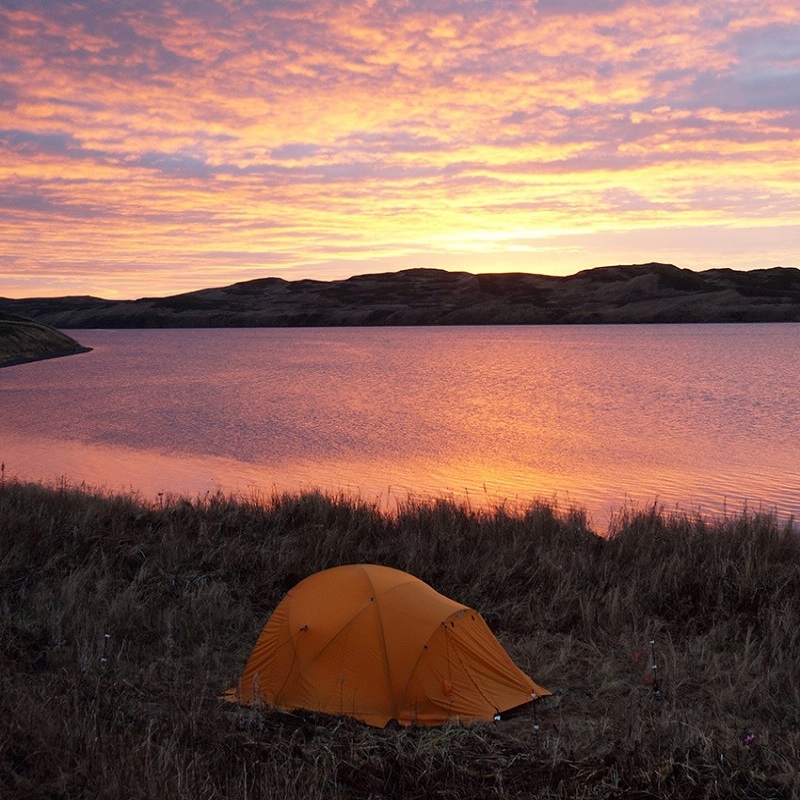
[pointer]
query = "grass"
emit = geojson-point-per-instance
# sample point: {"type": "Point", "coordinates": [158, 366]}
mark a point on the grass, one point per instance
{"type": "Point", "coordinates": [23, 340]}
{"type": "Point", "coordinates": [121, 622]}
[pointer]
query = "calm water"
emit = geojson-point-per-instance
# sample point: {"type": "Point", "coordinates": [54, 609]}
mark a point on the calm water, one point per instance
{"type": "Point", "coordinates": [704, 417]}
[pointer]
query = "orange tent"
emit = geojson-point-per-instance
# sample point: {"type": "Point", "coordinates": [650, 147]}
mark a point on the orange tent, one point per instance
{"type": "Point", "coordinates": [378, 644]}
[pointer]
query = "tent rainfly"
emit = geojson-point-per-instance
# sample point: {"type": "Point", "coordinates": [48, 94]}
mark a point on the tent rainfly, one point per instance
{"type": "Point", "coordinates": [378, 644]}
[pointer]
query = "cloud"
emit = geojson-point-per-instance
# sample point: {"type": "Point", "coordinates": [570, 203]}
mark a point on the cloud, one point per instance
{"type": "Point", "coordinates": [294, 151]}
{"type": "Point", "coordinates": [247, 127]}
{"type": "Point", "coordinates": [28, 141]}
{"type": "Point", "coordinates": [175, 164]}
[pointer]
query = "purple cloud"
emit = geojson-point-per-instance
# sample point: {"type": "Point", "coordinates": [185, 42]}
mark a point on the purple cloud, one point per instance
{"type": "Point", "coordinates": [257, 126]}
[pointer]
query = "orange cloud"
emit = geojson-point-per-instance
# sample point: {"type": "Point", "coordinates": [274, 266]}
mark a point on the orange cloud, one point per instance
{"type": "Point", "coordinates": [162, 146]}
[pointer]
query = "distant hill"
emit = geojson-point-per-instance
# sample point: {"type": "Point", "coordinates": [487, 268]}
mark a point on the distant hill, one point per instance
{"type": "Point", "coordinates": [643, 293]}
{"type": "Point", "coordinates": [23, 340]}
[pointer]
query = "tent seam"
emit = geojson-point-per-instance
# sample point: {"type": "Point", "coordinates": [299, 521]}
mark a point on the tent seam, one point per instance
{"type": "Point", "coordinates": [468, 671]}
{"type": "Point", "coordinates": [422, 652]}
{"type": "Point", "coordinates": [386, 668]}
{"type": "Point", "coordinates": [293, 641]}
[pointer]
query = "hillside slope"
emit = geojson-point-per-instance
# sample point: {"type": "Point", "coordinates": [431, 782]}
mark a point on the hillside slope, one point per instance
{"type": "Point", "coordinates": [645, 293]}
{"type": "Point", "coordinates": [23, 340]}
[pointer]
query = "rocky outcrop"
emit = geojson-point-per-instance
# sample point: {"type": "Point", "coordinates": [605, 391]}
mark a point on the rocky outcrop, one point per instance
{"type": "Point", "coordinates": [644, 293]}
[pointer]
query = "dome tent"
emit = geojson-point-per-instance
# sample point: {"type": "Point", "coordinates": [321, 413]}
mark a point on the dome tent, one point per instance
{"type": "Point", "coordinates": [378, 644]}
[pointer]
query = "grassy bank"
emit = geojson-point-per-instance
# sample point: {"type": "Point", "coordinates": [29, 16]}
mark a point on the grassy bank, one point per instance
{"type": "Point", "coordinates": [23, 340]}
{"type": "Point", "coordinates": [120, 623]}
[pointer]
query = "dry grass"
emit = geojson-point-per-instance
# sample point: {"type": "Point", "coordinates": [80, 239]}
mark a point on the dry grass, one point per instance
{"type": "Point", "coordinates": [120, 623]}
{"type": "Point", "coordinates": [24, 340]}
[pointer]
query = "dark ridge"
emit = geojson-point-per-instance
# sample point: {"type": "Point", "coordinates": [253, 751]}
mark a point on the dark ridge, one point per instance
{"type": "Point", "coordinates": [637, 293]}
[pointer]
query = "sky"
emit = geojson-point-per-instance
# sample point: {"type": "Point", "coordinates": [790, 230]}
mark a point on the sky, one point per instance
{"type": "Point", "coordinates": [150, 147]}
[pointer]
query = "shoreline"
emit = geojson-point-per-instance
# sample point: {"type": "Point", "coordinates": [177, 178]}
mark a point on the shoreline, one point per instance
{"type": "Point", "coordinates": [17, 360]}
{"type": "Point", "coordinates": [600, 521]}
{"type": "Point", "coordinates": [24, 340]}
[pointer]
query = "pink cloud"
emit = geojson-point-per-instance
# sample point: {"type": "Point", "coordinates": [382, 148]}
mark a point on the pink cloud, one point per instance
{"type": "Point", "coordinates": [162, 132]}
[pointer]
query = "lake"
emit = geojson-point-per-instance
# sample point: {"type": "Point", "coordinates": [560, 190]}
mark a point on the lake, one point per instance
{"type": "Point", "coordinates": [700, 417]}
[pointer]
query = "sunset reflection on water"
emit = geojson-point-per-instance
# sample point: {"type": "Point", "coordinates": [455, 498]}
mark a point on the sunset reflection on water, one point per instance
{"type": "Point", "coordinates": [593, 416]}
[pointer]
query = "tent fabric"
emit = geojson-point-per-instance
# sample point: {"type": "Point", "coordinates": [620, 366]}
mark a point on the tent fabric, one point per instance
{"type": "Point", "coordinates": [378, 644]}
